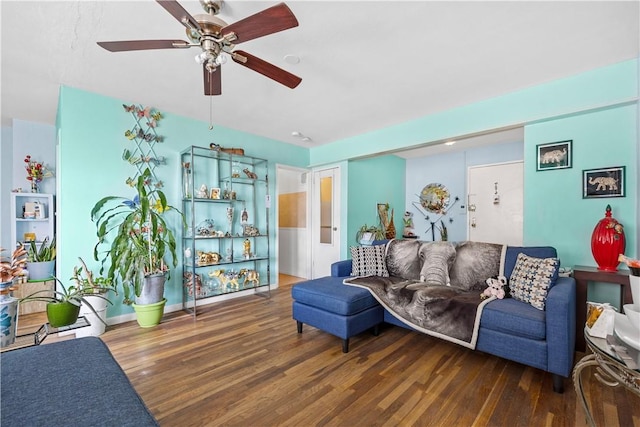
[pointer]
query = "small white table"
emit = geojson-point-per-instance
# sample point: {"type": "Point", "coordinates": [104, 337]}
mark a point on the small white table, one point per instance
{"type": "Point", "coordinates": [610, 369]}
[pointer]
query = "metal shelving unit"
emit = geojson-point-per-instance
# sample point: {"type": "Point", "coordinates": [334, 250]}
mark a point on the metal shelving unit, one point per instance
{"type": "Point", "coordinates": [226, 205]}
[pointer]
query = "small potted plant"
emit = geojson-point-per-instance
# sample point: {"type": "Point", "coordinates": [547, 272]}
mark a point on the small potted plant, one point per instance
{"type": "Point", "coordinates": [96, 288]}
{"type": "Point", "coordinates": [63, 306]}
{"type": "Point", "coordinates": [41, 261]}
{"type": "Point", "coordinates": [134, 239]}
{"type": "Point", "coordinates": [376, 233]}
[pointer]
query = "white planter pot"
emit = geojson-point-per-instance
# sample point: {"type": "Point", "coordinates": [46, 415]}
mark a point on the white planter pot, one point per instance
{"type": "Point", "coordinates": [97, 328]}
{"type": "Point", "coordinates": [41, 270]}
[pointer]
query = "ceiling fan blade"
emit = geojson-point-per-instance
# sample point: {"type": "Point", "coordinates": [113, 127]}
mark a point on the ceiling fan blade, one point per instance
{"type": "Point", "coordinates": [212, 81]}
{"type": "Point", "coordinates": [178, 12]}
{"type": "Point", "coordinates": [143, 45]}
{"type": "Point", "coordinates": [266, 69]}
{"type": "Point", "coordinates": [269, 21]}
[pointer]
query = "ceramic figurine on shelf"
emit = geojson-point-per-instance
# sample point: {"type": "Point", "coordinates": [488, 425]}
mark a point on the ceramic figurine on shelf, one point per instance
{"type": "Point", "coordinates": [246, 248]}
{"type": "Point", "coordinates": [202, 193]}
{"type": "Point", "coordinates": [244, 216]}
{"type": "Point", "coordinates": [229, 219]}
{"type": "Point", "coordinates": [250, 175]}
{"type": "Point", "coordinates": [251, 276]}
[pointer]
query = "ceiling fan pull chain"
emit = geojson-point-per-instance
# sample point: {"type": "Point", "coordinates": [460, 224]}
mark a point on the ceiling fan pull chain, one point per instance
{"type": "Point", "coordinates": [211, 113]}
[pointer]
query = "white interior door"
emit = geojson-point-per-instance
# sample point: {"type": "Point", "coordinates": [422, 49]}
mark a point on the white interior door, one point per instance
{"type": "Point", "coordinates": [325, 231]}
{"type": "Point", "coordinates": [495, 203]}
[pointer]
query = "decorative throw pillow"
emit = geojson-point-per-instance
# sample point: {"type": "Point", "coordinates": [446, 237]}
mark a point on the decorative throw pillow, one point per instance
{"type": "Point", "coordinates": [531, 279]}
{"type": "Point", "coordinates": [368, 261]}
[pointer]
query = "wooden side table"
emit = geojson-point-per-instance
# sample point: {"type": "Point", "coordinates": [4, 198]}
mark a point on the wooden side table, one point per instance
{"type": "Point", "coordinates": [583, 275]}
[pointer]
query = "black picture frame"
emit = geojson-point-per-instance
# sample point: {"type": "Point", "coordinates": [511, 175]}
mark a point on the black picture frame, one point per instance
{"type": "Point", "coordinates": [554, 155]}
{"type": "Point", "coordinates": [603, 182]}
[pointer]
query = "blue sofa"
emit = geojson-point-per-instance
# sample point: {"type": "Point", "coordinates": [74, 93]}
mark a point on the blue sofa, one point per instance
{"type": "Point", "coordinates": [510, 329]}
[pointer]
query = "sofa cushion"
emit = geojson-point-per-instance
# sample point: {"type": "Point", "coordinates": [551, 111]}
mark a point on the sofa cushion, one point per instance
{"type": "Point", "coordinates": [403, 259]}
{"type": "Point", "coordinates": [514, 318]}
{"type": "Point", "coordinates": [368, 261]}
{"type": "Point", "coordinates": [531, 278]}
{"type": "Point", "coordinates": [475, 263]}
{"type": "Point", "coordinates": [330, 294]}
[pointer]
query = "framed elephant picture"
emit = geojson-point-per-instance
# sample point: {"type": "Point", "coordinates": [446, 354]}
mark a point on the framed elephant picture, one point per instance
{"type": "Point", "coordinates": [554, 155]}
{"type": "Point", "coordinates": [606, 182]}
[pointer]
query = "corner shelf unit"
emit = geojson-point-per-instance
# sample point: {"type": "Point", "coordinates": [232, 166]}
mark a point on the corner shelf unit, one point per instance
{"type": "Point", "coordinates": [226, 245]}
{"type": "Point", "coordinates": [40, 224]}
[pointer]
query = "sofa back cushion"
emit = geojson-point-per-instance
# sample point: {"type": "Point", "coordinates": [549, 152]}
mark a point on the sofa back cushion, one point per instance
{"type": "Point", "coordinates": [436, 258]}
{"type": "Point", "coordinates": [403, 259]}
{"type": "Point", "coordinates": [475, 263]}
{"type": "Point", "coordinates": [533, 251]}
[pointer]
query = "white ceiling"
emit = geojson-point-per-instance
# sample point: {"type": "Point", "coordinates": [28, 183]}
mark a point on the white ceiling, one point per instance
{"type": "Point", "coordinates": [365, 65]}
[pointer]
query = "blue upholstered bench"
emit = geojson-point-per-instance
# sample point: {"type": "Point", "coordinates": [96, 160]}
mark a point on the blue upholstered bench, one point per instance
{"type": "Point", "coordinates": [341, 310]}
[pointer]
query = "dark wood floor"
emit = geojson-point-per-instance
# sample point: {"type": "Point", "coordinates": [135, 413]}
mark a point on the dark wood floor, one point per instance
{"type": "Point", "coordinates": [241, 363]}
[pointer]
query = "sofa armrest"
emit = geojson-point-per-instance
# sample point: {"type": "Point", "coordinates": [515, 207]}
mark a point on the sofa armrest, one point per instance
{"type": "Point", "coordinates": [561, 326]}
{"type": "Point", "coordinates": [341, 268]}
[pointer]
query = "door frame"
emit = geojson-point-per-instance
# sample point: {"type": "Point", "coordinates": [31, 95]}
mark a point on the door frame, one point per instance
{"type": "Point", "coordinates": [309, 188]}
{"type": "Point", "coordinates": [339, 222]}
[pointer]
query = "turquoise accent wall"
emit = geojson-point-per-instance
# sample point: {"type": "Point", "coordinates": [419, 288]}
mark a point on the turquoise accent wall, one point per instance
{"type": "Point", "coordinates": [555, 212]}
{"type": "Point", "coordinates": [91, 137]}
{"type": "Point", "coordinates": [596, 88]}
{"type": "Point", "coordinates": [372, 181]}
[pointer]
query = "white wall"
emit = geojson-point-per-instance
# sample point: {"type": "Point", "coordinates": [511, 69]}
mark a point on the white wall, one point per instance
{"type": "Point", "coordinates": [6, 174]}
{"type": "Point", "coordinates": [35, 139]}
{"type": "Point", "coordinates": [450, 169]}
{"type": "Point", "coordinates": [293, 243]}
{"type": "Point", "coordinates": [39, 141]}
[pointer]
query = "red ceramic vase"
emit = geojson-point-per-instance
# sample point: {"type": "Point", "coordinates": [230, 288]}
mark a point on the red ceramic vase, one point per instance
{"type": "Point", "coordinates": [607, 242]}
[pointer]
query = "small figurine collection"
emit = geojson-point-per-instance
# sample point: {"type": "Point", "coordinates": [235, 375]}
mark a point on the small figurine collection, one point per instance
{"type": "Point", "coordinates": [220, 280]}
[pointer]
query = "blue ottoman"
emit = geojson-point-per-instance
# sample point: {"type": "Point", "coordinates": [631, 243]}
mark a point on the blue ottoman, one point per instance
{"type": "Point", "coordinates": [341, 310]}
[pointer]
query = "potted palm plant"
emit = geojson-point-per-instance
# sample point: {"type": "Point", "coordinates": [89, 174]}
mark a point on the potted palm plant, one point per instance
{"type": "Point", "coordinates": [41, 260]}
{"type": "Point", "coordinates": [134, 239]}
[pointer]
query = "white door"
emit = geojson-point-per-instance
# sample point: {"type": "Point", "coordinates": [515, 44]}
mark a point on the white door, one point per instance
{"type": "Point", "coordinates": [325, 231]}
{"type": "Point", "coordinates": [495, 203]}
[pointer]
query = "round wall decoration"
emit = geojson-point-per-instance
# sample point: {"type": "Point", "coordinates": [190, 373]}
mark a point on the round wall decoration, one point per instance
{"type": "Point", "coordinates": [434, 198]}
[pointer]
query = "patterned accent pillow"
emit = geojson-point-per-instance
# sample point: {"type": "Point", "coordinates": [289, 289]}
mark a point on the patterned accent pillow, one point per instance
{"type": "Point", "coordinates": [531, 279]}
{"type": "Point", "coordinates": [368, 261]}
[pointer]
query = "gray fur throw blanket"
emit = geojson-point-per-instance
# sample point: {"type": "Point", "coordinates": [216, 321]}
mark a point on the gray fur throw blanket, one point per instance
{"type": "Point", "coordinates": [439, 297]}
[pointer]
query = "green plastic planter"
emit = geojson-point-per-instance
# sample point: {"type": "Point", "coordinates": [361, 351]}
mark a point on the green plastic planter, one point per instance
{"type": "Point", "coordinates": [62, 314]}
{"type": "Point", "coordinates": [149, 315]}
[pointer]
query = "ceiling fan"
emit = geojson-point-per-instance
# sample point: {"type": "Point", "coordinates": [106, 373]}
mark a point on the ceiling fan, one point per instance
{"type": "Point", "coordinates": [217, 39]}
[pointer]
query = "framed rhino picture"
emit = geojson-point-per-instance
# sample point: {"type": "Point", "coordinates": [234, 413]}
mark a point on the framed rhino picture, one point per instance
{"type": "Point", "coordinates": [554, 155]}
{"type": "Point", "coordinates": [606, 182]}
